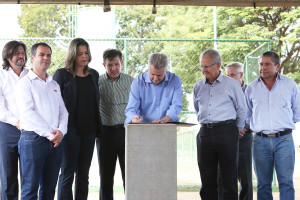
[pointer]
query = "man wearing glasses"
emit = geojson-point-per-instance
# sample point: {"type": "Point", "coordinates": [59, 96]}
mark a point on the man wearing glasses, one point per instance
{"type": "Point", "coordinates": [221, 110]}
{"type": "Point", "coordinates": [235, 70]}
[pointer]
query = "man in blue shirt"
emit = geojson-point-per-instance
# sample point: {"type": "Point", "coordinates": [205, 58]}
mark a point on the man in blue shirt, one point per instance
{"type": "Point", "coordinates": [155, 96]}
{"type": "Point", "coordinates": [273, 104]}
{"type": "Point", "coordinates": [221, 110]}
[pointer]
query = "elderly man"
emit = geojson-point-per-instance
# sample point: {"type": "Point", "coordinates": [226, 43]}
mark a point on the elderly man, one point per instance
{"type": "Point", "coordinates": [14, 59]}
{"type": "Point", "coordinates": [156, 95]}
{"type": "Point", "coordinates": [221, 110]}
{"type": "Point", "coordinates": [273, 104]}
{"type": "Point", "coordinates": [235, 70]}
{"type": "Point", "coordinates": [43, 121]}
{"type": "Point", "coordinates": [114, 89]}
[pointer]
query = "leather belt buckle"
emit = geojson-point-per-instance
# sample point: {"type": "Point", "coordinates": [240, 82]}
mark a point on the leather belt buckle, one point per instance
{"type": "Point", "coordinates": [209, 125]}
{"type": "Point", "coordinates": [271, 135]}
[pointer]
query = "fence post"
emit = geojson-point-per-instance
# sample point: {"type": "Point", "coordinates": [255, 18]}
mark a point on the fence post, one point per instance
{"type": "Point", "coordinates": [125, 56]}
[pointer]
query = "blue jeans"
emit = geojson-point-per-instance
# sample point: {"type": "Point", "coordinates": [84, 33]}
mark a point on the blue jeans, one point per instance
{"type": "Point", "coordinates": [40, 164]}
{"type": "Point", "coordinates": [9, 158]}
{"type": "Point", "coordinates": [269, 153]}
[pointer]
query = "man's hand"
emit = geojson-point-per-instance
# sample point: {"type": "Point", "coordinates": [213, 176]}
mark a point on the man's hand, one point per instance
{"type": "Point", "coordinates": [136, 119]}
{"type": "Point", "coordinates": [163, 120]}
{"type": "Point", "coordinates": [57, 138]}
{"type": "Point", "coordinates": [18, 124]}
{"type": "Point", "coordinates": [242, 133]}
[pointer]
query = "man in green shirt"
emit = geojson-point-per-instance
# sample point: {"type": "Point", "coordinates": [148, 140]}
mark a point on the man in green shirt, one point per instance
{"type": "Point", "coordinates": [114, 89]}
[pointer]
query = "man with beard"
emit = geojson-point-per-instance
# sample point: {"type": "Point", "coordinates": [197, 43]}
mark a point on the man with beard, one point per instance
{"type": "Point", "coordinates": [43, 121]}
{"type": "Point", "coordinates": [14, 59]}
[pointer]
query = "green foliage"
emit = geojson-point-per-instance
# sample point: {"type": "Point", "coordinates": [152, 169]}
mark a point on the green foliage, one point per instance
{"type": "Point", "coordinates": [295, 76]}
{"type": "Point", "coordinates": [134, 23]}
{"type": "Point", "coordinates": [46, 20]}
{"type": "Point", "coordinates": [279, 24]}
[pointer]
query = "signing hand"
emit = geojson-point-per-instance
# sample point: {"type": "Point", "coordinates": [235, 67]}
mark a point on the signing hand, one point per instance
{"type": "Point", "coordinates": [136, 119]}
{"type": "Point", "coordinates": [163, 120]}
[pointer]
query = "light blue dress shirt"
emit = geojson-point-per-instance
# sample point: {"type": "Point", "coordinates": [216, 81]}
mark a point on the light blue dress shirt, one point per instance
{"type": "Point", "coordinates": [273, 110]}
{"type": "Point", "coordinates": [223, 100]}
{"type": "Point", "coordinates": [151, 101]}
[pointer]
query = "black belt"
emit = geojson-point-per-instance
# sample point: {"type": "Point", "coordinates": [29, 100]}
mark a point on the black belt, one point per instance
{"type": "Point", "coordinates": [218, 124]}
{"type": "Point", "coordinates": [273, 135]}
{"type": "Point", "coordinates": [115, 126]}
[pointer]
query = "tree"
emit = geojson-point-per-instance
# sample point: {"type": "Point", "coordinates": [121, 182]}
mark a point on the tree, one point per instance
{"type": "Point", "coordinates": [46, 20]}
{"type": "Point", "coordinates": [135, 23]}
{"type": "Point", "coordinates": [280, 24]}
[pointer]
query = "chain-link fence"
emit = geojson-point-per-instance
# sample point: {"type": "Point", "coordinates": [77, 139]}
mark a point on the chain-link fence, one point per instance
{"type": "Point", "coordinates": [183, 60]}
{"type": "Point", "coordinates": [183, 56]}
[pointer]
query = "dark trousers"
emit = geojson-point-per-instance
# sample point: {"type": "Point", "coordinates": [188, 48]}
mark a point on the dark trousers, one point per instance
{"type": "Point", "coordinates": [244, 169]}
{"type": "Point", "coordinates": [110, 146]}
{"type": "Point", "coordinates": [9, 158]}
{"type": "Point", "coordinates": [218, 146]}
{"type": "Point", "coordinates": [77, 158]}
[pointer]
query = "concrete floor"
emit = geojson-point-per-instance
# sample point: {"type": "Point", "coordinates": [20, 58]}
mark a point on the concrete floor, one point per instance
{"type": "Point", "coordinates": [185, 176]}
{"type": "Point", "coordinates": [181, 196]}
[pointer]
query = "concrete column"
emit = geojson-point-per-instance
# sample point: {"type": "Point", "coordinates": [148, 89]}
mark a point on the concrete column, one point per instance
{"type": "Point", "coordinates": [151, 162]}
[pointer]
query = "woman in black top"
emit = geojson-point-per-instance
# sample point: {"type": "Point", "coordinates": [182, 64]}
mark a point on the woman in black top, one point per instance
{"type": "Point", "coordinates": [80, 91]}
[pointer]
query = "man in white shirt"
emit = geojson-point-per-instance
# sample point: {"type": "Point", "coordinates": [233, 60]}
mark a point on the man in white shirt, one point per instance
{"type": "Point", "coordinates": [43, 121]}
{"type": "Point", "coordinates": [14, 59]}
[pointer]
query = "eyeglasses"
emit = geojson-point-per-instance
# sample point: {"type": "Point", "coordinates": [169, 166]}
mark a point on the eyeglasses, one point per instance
{"type": "Point", "coordinates": [206, 67]}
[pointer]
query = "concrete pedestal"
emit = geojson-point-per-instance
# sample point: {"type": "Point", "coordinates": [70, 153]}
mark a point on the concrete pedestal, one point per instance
{"type": "Point", "coordinates": [151, 162]}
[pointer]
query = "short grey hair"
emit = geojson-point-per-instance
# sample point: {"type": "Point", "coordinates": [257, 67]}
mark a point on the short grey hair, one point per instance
{"type": "Point", "coordinates": [158, 60]}
{"type": "Point", "coordinates": [239, 67]}
{"type": "Point", "coordinates": [214, 55]}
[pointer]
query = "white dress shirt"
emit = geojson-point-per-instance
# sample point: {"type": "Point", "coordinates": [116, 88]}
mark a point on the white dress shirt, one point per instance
{"type": "Point", "coordinates": [41, 106]}
{"type": "Point", "coordinates": [271, 111]}
{"type": "Point", "coordinates": [8, 109]}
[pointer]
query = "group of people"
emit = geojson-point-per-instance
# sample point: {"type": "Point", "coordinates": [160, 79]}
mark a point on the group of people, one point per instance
{"type": "Point", "coordinates": [229, 111]}
{"type": "Point", "coordinates": [52, 124]}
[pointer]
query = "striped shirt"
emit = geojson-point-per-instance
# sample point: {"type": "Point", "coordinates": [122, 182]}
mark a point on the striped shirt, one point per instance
{"type": "Point", "coordinates": [114, 98]}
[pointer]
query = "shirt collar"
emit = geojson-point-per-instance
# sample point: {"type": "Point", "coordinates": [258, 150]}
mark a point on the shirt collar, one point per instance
{"type": "Point", "coordinates": [219, 79]}
{"type": "Point", "coordinates": [32, 76]}
{"type": "Point", "coordinates": [10, 70]}
{"type": "Point", "coordinates": [243, 84]}
{"type": "Point", "coordinates": [277, 78]}
{"type": "Point", "coordinates": [107, 77]}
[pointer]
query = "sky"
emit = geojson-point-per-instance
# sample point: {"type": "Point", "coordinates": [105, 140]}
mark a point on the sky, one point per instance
{"type": "Point", "coordinates": [8, 23]}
